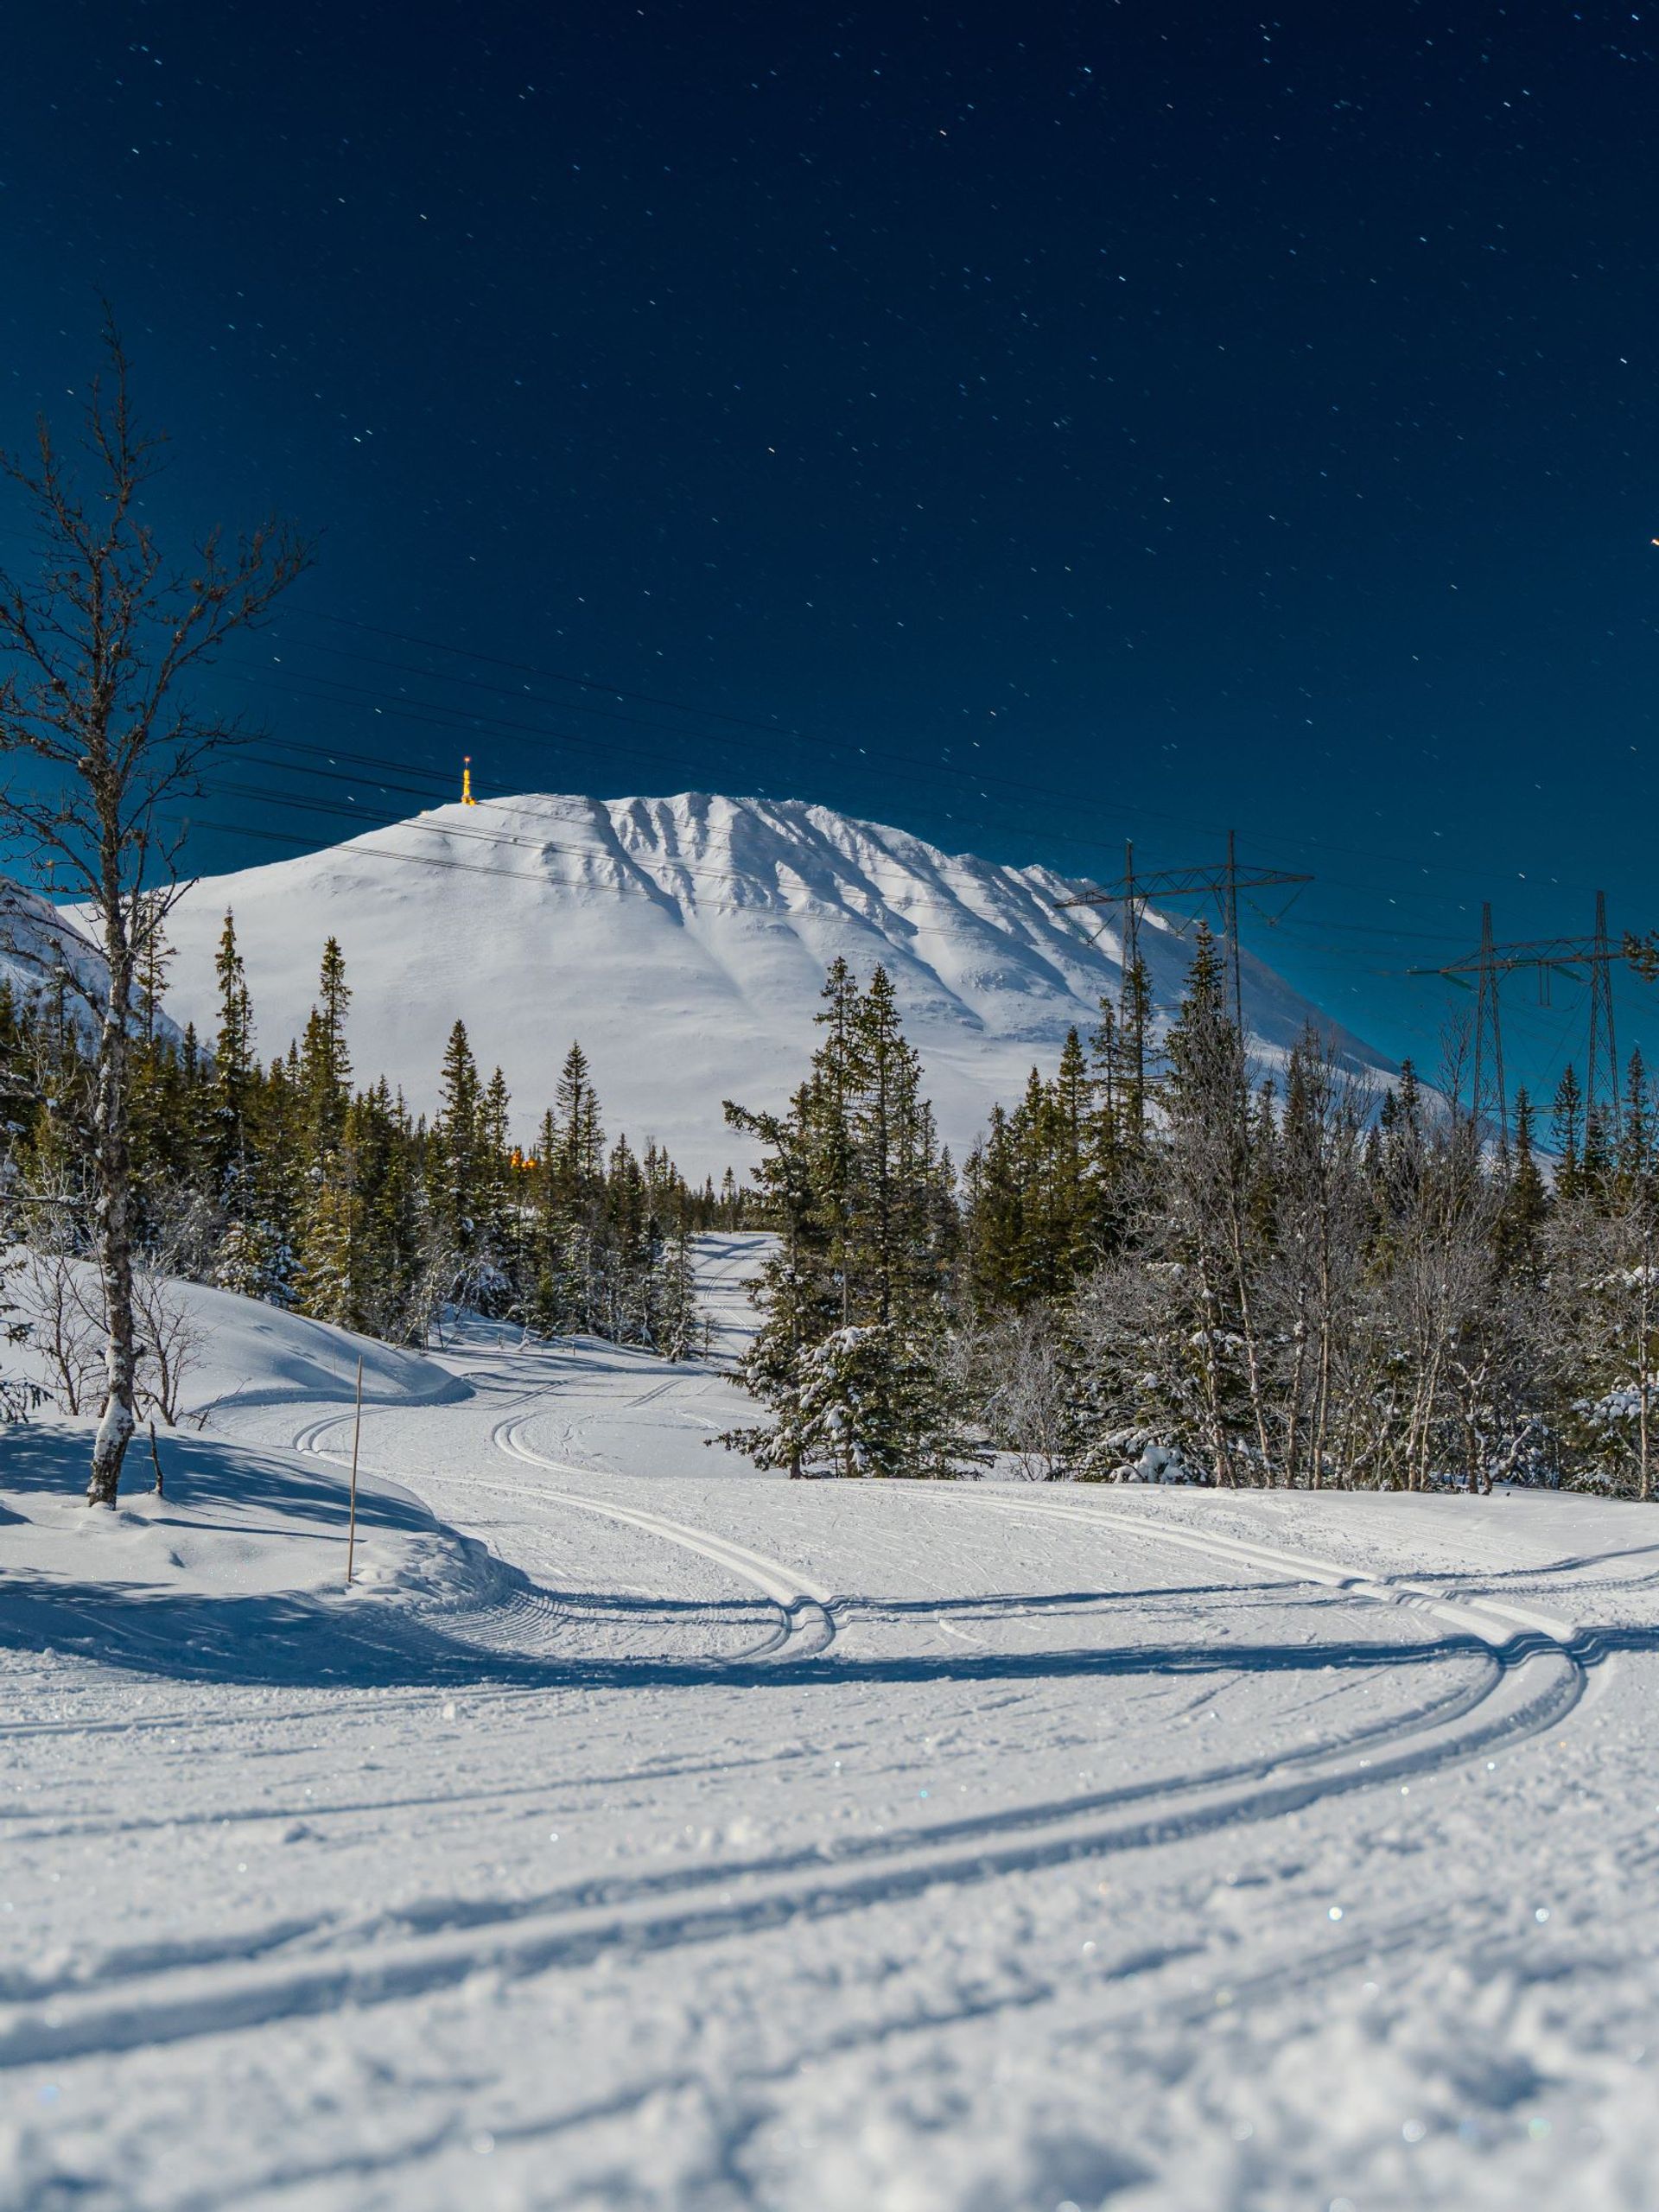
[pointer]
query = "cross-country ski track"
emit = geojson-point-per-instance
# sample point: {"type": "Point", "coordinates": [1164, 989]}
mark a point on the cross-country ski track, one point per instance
{"type": "Point", "coordinates": [712, 1840]}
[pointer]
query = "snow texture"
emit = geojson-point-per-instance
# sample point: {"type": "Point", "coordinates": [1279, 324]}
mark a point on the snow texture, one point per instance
{"type": "Point", "coordinates": [646, 1833]}
{"type": "Point", "coordinates": [688, 934]}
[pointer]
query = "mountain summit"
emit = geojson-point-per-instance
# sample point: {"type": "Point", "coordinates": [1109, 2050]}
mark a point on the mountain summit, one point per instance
{"type": "Point", "coordinates": [683, 941]}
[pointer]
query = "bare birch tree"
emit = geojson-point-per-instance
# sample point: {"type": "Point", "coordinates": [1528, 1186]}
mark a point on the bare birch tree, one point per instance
{"type": "Point", "coordinates": [1313, 1275]}
{"type": "Point", "coordinates": [96, 655]}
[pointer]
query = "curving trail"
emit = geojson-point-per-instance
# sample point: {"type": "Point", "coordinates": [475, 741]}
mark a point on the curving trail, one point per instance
{"type": "Point", "coordinates": [1524, 1672]}
{"type": "Point", "coordinates": [806, 1624]}
{"type": "Point", "coordinates": [816, 1845]}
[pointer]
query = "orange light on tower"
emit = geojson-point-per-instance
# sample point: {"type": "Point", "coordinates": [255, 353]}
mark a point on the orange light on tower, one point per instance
{"type": "Point", "coordinates": [466, 799]}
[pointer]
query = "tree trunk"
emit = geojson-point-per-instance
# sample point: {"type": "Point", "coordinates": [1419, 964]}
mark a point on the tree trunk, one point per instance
{"type": "Point", "coordinates": [113, 1224]}
{"type": "Point", "coordinates": [1644, 1487]}
{"type": "Point", "coordinates": [1322, 1394]}
{"type": "Point", "coordinates": [1424, 1416]}
{"type": "Point", "coordinates": [1252, 1365]}
{"type": "Point", "coordinates": [1294, 1389]}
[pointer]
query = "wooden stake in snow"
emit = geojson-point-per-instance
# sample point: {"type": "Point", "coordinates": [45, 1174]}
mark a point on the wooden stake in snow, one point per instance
{"type": "Point", "coordinates": [357, 1431]}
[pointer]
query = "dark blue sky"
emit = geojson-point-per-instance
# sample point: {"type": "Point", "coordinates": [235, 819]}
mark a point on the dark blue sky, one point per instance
{"type": "Point", "coordinates": [1046, 425]}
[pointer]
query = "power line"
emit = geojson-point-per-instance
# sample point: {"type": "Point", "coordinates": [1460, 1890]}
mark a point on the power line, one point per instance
{"type": "Point", "coordinates": [426, 714]}
{"type": "Point", "coordinates": [376, 767]}
{"type": "Point", "coordinates": [429, 715]}
{"type": "Point", "coordinates": [433, 715]}
{"type": "Point", "coordinates": [1547, 956]}
{"type": "Point", "coordinates": [775, 730]}
{"type": "Point", "coordinates": [377, 764]}
{"type": "Point", "coordinates": [1222, 884]}
{"type": "Point", "coordinates": [979, 779]}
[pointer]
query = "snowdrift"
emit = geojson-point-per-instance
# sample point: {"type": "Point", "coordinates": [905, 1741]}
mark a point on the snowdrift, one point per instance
{"type": "Point", "coordinates": [238, 1572]}
{"type": "Point", "coordinates": [239, 1569]}
{"type": "Point", "coordinates": [257, 1355]}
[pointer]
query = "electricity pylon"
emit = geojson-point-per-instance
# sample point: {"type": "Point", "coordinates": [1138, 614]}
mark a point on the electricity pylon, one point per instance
{"type": "Point", "coordinates": [1223, 885]}
{"type": "Point", "coordinates": [1548, 956]}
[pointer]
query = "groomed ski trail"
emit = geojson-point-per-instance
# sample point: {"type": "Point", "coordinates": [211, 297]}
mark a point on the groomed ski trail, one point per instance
{"type": "Point", "coordinates": [806, 1623]}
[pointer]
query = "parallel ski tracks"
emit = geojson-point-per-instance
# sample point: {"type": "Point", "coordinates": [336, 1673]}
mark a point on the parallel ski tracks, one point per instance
{"type": "Point", "coordinates": [1536, 1674]}
{"type": "Point", "coordinates": [806, 1625]}
{"type": "Point", "coordinates": [1491, 1618]}
{"type": "Point", "coordinates": [1537, 1685]}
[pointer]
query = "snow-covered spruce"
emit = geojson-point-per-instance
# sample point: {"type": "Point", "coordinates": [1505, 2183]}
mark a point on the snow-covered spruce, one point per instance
{"type": "Point", "coordinates": [852, 1356]}
{"type": "Point", "coordinates": [1160, 1266]}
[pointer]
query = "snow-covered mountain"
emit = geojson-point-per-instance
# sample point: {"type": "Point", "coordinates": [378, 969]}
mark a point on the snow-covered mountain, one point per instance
{"type": "Point", "coordinates": [683, 941]}
{"type": "Point", "coordinates": [44, 951]}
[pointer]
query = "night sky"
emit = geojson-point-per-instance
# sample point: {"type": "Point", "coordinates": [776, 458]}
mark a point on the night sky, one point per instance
{"type": "Point", "coordinates": [1033, 426]}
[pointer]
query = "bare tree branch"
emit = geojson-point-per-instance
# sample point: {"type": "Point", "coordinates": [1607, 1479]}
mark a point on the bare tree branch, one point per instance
{"type": "Point", "coordinates": [94, 656]}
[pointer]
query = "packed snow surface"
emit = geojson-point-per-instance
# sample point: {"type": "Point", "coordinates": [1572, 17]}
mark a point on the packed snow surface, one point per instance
{"type": "Point", "coordinates": [688, 934]}
{"type": "Point", "coordinates": [654, 1834]}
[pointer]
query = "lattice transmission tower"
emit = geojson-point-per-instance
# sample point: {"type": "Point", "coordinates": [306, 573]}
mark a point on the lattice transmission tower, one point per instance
{"type": "Point", "coordinates": [1220, 884]}
{"type": "Point", "coordinates": [1577, 957]}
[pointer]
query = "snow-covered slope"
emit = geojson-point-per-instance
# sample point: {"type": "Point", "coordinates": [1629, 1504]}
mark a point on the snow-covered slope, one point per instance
{"type": "Point", "coordinates": [683, 941]}
{"type": "Point", "coordinates": [717, 1841]}
{"type": "Point", "coordinates": [245, 1539]}
{"type": "Point", "coordinates": [230, 1347]}
{"type": "Point", "coordinates": [39, 944]}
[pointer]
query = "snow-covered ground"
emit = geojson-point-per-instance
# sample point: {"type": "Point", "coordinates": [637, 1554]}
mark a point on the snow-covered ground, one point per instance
{"type": "Point", "coordinates": [716, 1842]}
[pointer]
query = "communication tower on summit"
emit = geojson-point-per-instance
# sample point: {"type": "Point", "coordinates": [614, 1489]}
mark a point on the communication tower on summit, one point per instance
{"type": "Point", "coordinates": [466, 799]}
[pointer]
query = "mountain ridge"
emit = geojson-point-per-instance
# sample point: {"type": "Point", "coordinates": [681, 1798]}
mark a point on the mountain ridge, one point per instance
{"type": "Point", "coordinates": [683, 941]}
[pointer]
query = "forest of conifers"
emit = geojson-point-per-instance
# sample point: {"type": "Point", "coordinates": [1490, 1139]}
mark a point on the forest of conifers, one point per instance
{"type": "Point", "coordinates": [1163, 1264]}
{"type": "Point", "coordinates": [1160, 1264]}
{"type": "Point", "coordinates": [288, 1181]}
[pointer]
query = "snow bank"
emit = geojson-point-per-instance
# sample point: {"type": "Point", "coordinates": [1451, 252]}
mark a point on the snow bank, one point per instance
{"type": "Point", "coordinates": [239, 1567]}
{"type": "Point", "coordinates": [257, 1355]}
{"type": "Point", "coordinates": [237, 1572]}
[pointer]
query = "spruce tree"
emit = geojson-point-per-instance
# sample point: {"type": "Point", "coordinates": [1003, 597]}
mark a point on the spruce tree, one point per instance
{"type": "Point", "coordinates": [828, 1126]}
{"type": "Point", "coordinates": [1525, 1203]}
{"type": "Point", "coordinates": [679, 1327]}
{"type": "Point", "coordinates": [456, 1148]}
{"type": "Point", "coordinates": [579, 1155]}
{"type": "Point", "coordinates": [1073, 1207]}
{"type": "Point", "coordinates": [796, 1287]}
{"type": "Point", "coordinates": [1214, 1148]}
{"type": "Point", "coordinates": [850, 1357]}
{"type": "Point", "coordinates": [1568, 1130]}
{"type": "Point", "coordinates": [235, 1070]}
{"type": "Point", "coordinates": [996, 1232]}
{"type": "Point", "coordinates": [325, 1064]}
{"type": "Point", "coordinates": [326, 1280]}
{"type": "Point", "coordinates": [1634, 1149]}
{"type": "Point", "coordinates": [321, 1074]}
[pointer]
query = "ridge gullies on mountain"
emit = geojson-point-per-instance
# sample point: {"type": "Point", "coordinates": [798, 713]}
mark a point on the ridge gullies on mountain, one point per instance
{"type": "Point", "coordinates": [683, 941]}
